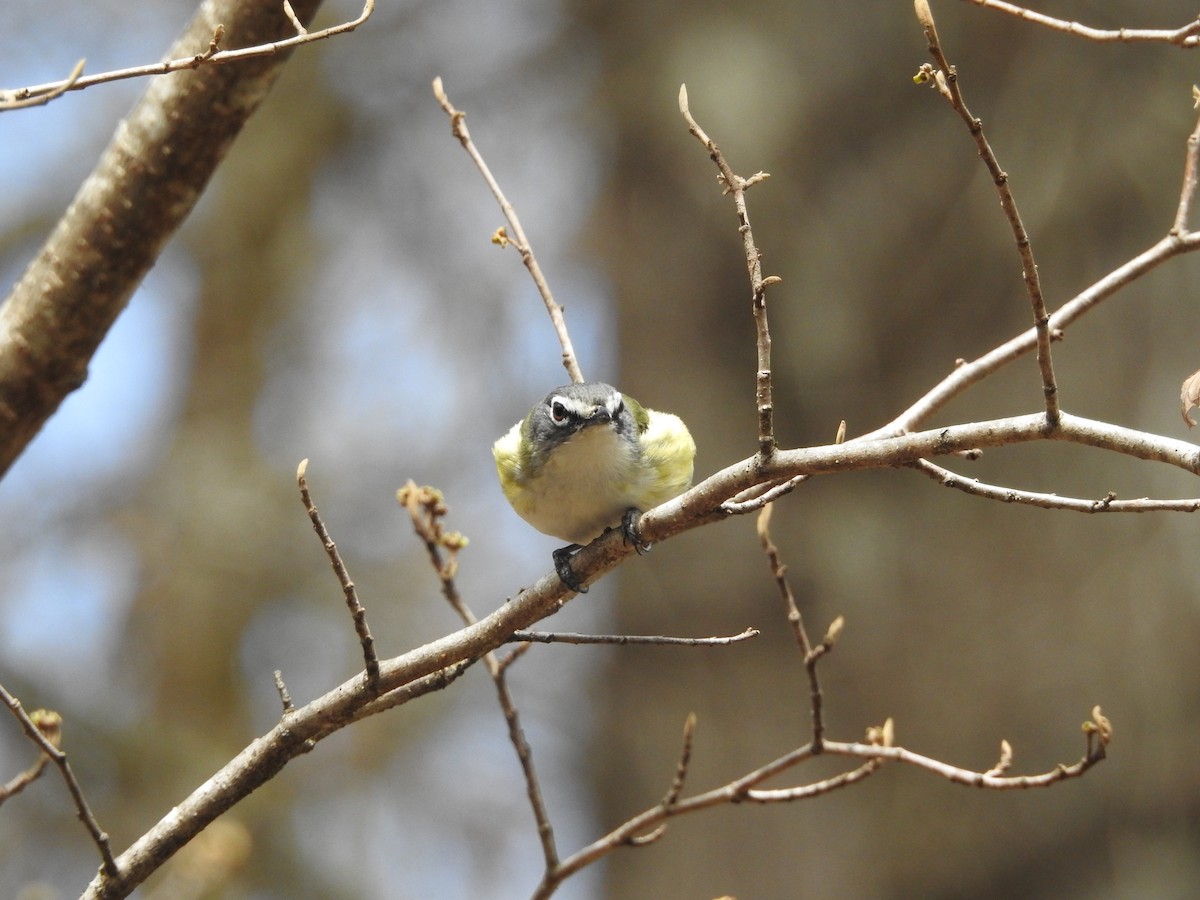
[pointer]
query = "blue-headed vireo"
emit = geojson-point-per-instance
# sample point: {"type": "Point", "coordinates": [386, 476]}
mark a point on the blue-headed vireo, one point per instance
{"type": "Point", "coordinates": [588, 458]}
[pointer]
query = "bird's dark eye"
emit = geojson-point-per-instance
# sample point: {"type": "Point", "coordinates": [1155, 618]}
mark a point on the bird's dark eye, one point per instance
{"type": "Point", "coordinates": [558, 411]}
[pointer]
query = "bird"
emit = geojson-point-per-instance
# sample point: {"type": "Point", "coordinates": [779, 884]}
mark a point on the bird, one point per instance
{"type": "Point", "coordinates": [588, 458]}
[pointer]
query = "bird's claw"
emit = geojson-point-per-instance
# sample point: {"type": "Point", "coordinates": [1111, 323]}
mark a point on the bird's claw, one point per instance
{"type": "Point", "coordinates": [564, 555]}
{"type": "Point", "coordinates": [629, 527]}
{"type": "Point", "coordinates": [562, 565]}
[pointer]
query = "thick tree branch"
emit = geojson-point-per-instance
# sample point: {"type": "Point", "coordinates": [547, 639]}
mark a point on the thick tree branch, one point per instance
{"type": "Point", "coordinates": [149, 178]}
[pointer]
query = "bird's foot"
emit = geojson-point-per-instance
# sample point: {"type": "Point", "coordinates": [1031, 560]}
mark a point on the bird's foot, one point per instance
{"type": "Point", "coordinates": [629, 527]}
{"type": "Point", "coordinates": [562, 565]}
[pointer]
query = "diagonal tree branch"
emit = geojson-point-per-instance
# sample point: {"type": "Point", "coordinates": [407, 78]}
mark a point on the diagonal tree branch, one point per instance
{"type": "Point", "coordinates": [147, 181]}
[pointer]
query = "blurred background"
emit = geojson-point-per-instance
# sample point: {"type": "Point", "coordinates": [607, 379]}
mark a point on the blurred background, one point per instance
{"type": "Point", "coordinates": [335, 297]}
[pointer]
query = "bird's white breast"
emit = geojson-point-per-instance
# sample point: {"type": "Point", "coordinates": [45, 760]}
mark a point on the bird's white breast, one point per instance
{"type": "Point", "coordinates": [583, 487]}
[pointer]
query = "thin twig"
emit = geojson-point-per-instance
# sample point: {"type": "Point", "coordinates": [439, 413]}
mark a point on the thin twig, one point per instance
{"type": "Point", "coordinates": [23, 779]}
{"type": "Point", "coordinates": [293, 18]}
{"type": "Point", "coordinates": [735, 185]}
{"type": "Point", "coordinates": [41, 99]}
{"type": "Point", "coordinates": [677, 783]}
{"type": "Point", "coordinates": [879, 748]}
{"type": "Point", "coordinates": [513, 655]}
{"type": "Point", "coordinates": [1191, 166]}
{"type": "Point", "coordinates": [428, 684]}
{"type": "Point", "coordinates": [284, 697]}
{"type": "Point", "coordinates": [48, 738]}
{"type": "Point", "coordinates": [16, 98]}
{"type": "Point", "coordinates": [561, 637]}
{"type": "Point", "coordinates": [945, 79]}
{"type": "Point", "coordinates": [1187, 36]}
{"type": "Point", "coordinates": [1004, 763]}
{"type": "Point", "coordinates": [758, 498]}
{"type": "Point", "coordinates": [458, 126]}
{"type": "Point", "coordinates": [811, 655]}
{"type": "Point", "coordinates": [49, 724]}
{"type": "Point", "coordinates": [685, 759]}
{"type": "Point", "coordinates": [426, 508]}
{"type": "Point", "coordinates": [357, 612]}
{"type": "Point", "coordinates": [1107, 503]}
{"type": "Point", "coordinates": [1097, 733]}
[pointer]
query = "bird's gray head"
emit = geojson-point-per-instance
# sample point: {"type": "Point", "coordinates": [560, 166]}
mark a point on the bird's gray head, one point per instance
{"type": "Point", "coordinates": [569, 409]}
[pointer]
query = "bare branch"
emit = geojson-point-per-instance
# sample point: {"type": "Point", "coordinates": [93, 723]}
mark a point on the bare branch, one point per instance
{"type": "Point", "coordinates": [946, 79]}
{"type": "Point", "coordinates": [46, 733]}
{"type": "Point", "coordinates": [419, 687]}
{"type": "Point", "coordinates": [514, 654]}
{"type": "Point", "coordinates": [284, 697]}
{"type": "Point", "coordinates": [426, 506]}
{"type": "Point", "coordinates": [19, 98]}
{"type": "Point", "coordinates": [426, 509]}
{"type": "Point", "coordinates": [967, 374]}
{"type": "Point", "coordinates": [432, 666]}
{"type": "Point", "coordinates": [1098, 734]}
{"type": "Point", "coordinates": [1004, 763]}
{"type": "Point", "coordinates": [750, 484]}
{"type": "Point", "coordinates": [49, 724]}
{"type": "Point", "coordinates": [41, 99]}
{"type": "Point", "coordinates": [1187, 36]}
{"type": "Point", "coordinates": [1107, 503]}
{"type": "Point", "coordinates": [1179, 240]}
{"type": "Point", "coordinates": [1190, 169]}
{"type": "Point", "coordinates": [676, 788]}
{"type": "Point", "coordinates": [458, 126]}
{"type": "Point", "coordinates": [758, 499]}
{"type": "Point", "coordinates": [559, 637]}
{"type": "Point", "coordinates": [295, 19]}
{"type": "Point", "coordinates": [734, 184]}
{"type": "Point", "coordinates": [879, 748]}
{"type": "Point", "coordinates": [121, 217]}
{"type": "Point", "coordinates": [811, 655]}
{"type": "Point", "coordinates": [357, 612]}
{"type": "Point", "coordinates": [685, 759]}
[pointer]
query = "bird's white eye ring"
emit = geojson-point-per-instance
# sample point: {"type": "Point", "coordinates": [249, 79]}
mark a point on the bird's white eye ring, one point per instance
{"type": "Point", "coordinates": [558, 411]}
